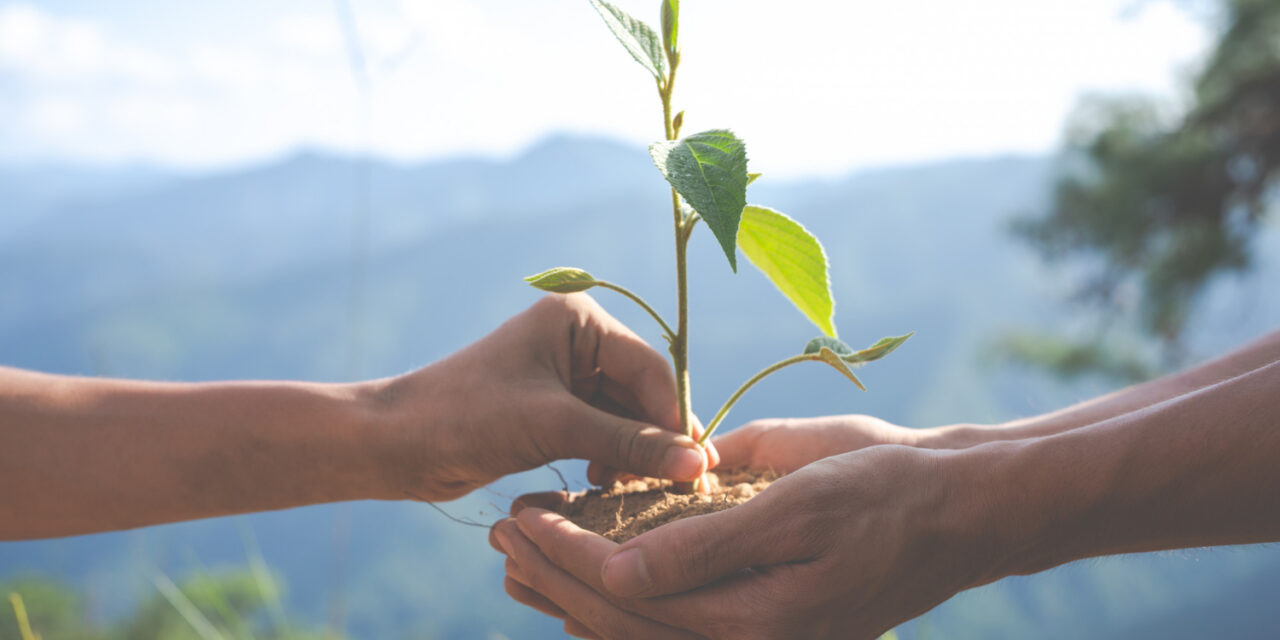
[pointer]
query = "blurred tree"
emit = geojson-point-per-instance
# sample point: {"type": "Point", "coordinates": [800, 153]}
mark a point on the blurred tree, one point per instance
{"type": "Point", "coordinates": [1152, 202]}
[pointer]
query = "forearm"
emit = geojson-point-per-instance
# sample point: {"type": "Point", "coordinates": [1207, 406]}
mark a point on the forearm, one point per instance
{"type": "Point", "coordinates": [1197, 470]}
{"type": "Point", "coordinates": [79, 455]}
{"type": "Point", "coordinates": [1260, 352]}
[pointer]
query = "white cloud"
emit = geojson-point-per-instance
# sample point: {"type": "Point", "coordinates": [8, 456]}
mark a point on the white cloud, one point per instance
{"type": "Point", "coordinates": [815, 87]}
{"type": "Point", "coordinates": [21, 32]}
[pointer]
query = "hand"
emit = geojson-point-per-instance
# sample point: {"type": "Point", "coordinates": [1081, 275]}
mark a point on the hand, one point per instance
{"type": "Point", "coordinates": [846, 547]}
{"type": "Point", "coordinates": [786, 444]}
{"type": "Point", "coordinates": [563, 379]}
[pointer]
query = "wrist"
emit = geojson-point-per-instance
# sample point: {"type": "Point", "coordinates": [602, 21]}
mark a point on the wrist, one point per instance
{"type": "Point", "coordinates": [1022, 506]}
{"type": "Point", "coordinates": [392, 436]}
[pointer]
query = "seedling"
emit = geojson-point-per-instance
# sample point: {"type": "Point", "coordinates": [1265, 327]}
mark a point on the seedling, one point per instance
{"type": "Point", "coordinates": [708, 175]}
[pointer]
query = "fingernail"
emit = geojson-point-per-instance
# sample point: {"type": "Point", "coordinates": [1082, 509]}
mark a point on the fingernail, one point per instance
{"type": "Point", "coordinates": [625, 573]}
{"type": "Point", "coordinates": [682, 463]}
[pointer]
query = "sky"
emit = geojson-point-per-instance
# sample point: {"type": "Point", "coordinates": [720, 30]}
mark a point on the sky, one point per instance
{"type": "Point", "coordinates": [815, 87]}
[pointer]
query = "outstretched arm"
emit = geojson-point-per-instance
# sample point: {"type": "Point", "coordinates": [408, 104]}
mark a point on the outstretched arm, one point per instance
{"type": "Point", "coordinates": [561, 380]}
{"type": "Point", "coordinates": [81, 455]}
{"type": "Point", "coordinates": [854, 544]}
{"type": "Point", "coordinates": [1255, 354]}
{"type": "Point", "coordinates": [840, 433]}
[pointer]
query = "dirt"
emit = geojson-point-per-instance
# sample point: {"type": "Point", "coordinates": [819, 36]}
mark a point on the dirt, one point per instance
{"type": "Point", "coordinates": [626, 510]}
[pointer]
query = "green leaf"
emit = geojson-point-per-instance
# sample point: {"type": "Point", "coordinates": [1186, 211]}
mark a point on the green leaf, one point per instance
{"type": "Point", "coordinates": [671, 27]}
{"type": "Point", "coordinates": [709, 170]}
{"type": "Point", "coordinates": [882, 348]}
{"type": "Point", "coordinates": [793, 260]}
{"type": "Point", "coordinates": [828, 356]}
{"type": "Point", "coordinates": [638, 38]}
{"type": "Point", "coordinates": [827, 342]}
{"type": "Point", "coordinates": [751, 177]}
{"type": "Point", "coordinates": [562, 280]}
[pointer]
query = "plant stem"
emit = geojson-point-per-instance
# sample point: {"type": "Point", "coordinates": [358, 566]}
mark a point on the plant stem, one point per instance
{"type": "Point", "coordinates": [671, 335]}
{"type": "Point", "coordinates": [680, 339]}
{"type": "Point", "coordinates": [733, 399]}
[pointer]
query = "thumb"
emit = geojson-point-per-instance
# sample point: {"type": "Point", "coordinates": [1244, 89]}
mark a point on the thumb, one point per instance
{"type": "Point", "coordinates": [693, 552]}
{"type": "Point", "coordinates": [632, 446]}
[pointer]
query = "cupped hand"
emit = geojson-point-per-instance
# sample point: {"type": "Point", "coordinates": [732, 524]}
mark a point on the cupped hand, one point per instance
{"type": "Point", "coordinates": [846, 547]}
{"type": "Point", "coordinates": [563, 379]}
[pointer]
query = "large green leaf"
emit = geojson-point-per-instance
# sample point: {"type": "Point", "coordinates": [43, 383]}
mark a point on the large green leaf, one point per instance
{"type": "Point", "coordinates": [881, 348]}
{"type": "Point", "coordinates": [562, 280]}
{"type": "Point", "coordinates": [793, 260]}
{"type": "Point", "coordinates": [709, 170]}
{"type": "Point", "coordinates": [638, 38]}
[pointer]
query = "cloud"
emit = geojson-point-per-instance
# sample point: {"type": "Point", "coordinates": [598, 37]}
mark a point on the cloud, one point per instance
{"type": "Point", "coordinates": [817, 87]}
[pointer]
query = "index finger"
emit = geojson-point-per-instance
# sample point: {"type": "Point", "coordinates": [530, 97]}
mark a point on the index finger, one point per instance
{"type": "Point", "coordinates": [628, 360]}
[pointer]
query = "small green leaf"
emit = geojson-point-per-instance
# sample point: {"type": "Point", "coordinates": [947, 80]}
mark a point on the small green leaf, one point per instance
{"type": "Point", "coordinates": [834, 344]}
{"type": "Point", "coordinates": [828, 356]}
{"type": "Point", "coordinates": [882, 348]}
{"type": "Point", "coordinates": [751, 177]}
{"type": "Point", "coordinates": [671, 27]}
{"type": "Point", "coordinates": [562, 280]}
{"type": "Point", "coordinates": [709, 170]}
{"type": "Point", "coordinates": [793, 260]}
{"type": "Point", "coordinates": [638, 38]}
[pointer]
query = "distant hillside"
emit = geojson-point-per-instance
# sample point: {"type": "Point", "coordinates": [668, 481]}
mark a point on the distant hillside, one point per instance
{"type": "Point", "coordinates": [247, 274]}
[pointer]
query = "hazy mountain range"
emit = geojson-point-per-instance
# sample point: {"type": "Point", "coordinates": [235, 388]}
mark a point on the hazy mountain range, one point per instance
{"type": "Point", "coordinates": [325, 267]}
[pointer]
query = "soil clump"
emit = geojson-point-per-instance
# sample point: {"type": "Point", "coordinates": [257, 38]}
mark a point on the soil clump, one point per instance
{"type": "Point", "coordinates": [628, 509]}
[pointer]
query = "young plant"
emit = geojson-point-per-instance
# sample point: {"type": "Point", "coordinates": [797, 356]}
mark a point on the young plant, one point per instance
{"type": "Point", "coordinates": [708, 175]}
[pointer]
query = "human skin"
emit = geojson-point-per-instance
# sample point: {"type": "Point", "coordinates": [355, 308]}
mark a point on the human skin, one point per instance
{"type": "Point", "coordinates": [857, 542]}
{"type": "Point", "coordinates": [561, 380]}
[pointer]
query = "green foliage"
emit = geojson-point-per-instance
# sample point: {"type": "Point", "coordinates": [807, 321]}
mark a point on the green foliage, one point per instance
{"type": "Point", "coordinates": [562, 280]}
{"type": "Point", "coordinates": [881, 348]}
{"type": "Point", "coordinates": [636, 37]}
{"type": "Point", "coordinates": [1158, 201]}
{"type": "Point", "coordinates": [53, 611]}
{"type": "Point", "coordinates": [228, 604]}
{"type": "Point", "coordinates": [793, 259]}
{"type": "Point", "coordinates": [709, 170]}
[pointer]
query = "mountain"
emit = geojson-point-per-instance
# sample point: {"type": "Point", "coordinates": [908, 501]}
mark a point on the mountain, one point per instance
{"type": "Point", "coordinates": [252, 273]}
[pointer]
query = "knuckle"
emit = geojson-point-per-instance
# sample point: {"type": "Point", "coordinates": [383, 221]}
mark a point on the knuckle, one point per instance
{"type": "Point", "coordinates": [628, 447]}
{"type": "Point", "coordinates": [559, 418]}
{"type": "Point", "coordinates": [699, 548]}
{"type": "Point", "coordinates": [553, 302]}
